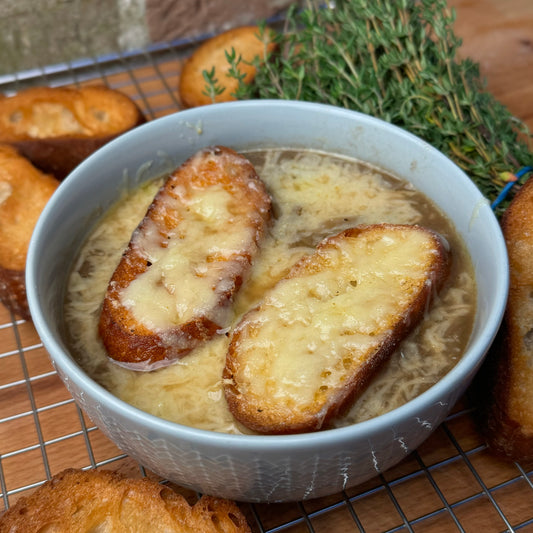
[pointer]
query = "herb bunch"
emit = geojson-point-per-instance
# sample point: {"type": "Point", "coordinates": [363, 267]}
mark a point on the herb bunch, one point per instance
{"type": "Point", "coordinates": [397, 61]}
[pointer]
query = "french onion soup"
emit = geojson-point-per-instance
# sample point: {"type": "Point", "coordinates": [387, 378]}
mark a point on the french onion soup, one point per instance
{"type": "Point", "coordinates": [314, 196]}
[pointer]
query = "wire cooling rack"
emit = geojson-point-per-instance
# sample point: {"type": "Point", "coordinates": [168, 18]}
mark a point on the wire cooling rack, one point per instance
{"type": "Point", "coordinates": [451, 483]}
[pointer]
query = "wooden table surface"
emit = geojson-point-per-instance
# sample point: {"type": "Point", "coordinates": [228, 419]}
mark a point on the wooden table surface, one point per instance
{"type": "Point", "coordinates": [498, 34]}
{"type": "Point", "coordinates": [452, 483]}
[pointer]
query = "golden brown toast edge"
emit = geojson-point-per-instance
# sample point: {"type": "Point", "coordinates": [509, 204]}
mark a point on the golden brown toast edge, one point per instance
{"type": "Point", "coordinates": [81, 501]}
{"type": "Point", "coordinates": [13, 292]}
{"type": "Point", "coordinates": [125, 339]}
{"type": "Point", "coordinates": [60, 153]}
{"type": "Point", "coordinates": [503, 389]}
{"type": "Point", "coordinates": [266, 422]}
{"type": "Point", "coordinates": [24, 192]}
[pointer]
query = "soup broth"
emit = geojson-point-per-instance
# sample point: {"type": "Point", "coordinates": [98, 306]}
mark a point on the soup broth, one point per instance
{"type": "Point", "coordinates": [314, 195]}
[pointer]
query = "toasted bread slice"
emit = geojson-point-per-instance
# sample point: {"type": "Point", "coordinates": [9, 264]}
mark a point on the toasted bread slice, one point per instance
{"type": "Point", "coordinates": [57, 127]}
{"type": "Point", "coordinates": [77, 501]}
{"type": "Point", "coordinates": [248, 42]}
{"type": "Point", "coordinates": [24, 191]}
{"type": "Point", "coordinates": [310, 347]}
{"type": "Point", "coordinates": [185, 261]}
{"type": "Point", "coordinates": [507, 379]}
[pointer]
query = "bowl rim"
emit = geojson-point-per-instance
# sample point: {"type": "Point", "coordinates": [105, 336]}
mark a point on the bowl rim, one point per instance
{"type": "Point", "coordinates": [469, 362]}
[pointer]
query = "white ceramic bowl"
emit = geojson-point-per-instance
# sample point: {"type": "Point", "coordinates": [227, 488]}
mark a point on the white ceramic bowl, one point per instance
{"type": "Point", "coordinates": [261, 468]}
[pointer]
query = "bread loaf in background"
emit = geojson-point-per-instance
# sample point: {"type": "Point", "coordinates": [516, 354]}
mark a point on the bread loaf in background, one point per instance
{"type": "Point", "coordinates": [77, 501]}
{"type": "Point", "coordinates": [301, 357]}
{"type": "Point", "coordinates": [24, 191]}
{"type": "Point", "coordinates": [56, 128]}
{"type": "Point", "coordinates": [504, 387]}
{"type": "Point", "coordinates": [248, 43]}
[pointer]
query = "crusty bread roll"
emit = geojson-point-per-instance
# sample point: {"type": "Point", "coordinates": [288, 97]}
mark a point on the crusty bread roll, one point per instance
{"type": "Point", "coordinates": [247, 41]}
{"type": "Point", "coordinates": [505, 386]}
{"type": "Point", "coordinates": [185, 261]}
{"type": "Point", "coordinates": [24, 191]}
{"type": "Point", "coordinates": [58, 127]}
{"type": "Point", "coordinates": [77, 501]}
{"type": "Point", "coordinates": [310, 347]}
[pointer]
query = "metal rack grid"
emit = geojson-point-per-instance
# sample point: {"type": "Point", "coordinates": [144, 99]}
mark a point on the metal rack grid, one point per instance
{"type": "Point", "coordinates": [451, 483]}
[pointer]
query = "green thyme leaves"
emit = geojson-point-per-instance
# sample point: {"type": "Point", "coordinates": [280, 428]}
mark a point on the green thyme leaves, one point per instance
{"type": "Point", "coordinates": [397, 61]}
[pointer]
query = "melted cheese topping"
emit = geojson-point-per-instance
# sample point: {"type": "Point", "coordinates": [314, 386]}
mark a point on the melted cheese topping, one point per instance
{"type": "Point", "coordinates": [314, 195]}
{"type": "Point", "coordinates": [331, 316]}
{"type": "Point", "coordinates": [185, 279]}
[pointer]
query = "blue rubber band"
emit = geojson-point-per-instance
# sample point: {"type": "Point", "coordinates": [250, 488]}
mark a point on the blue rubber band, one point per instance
{"type": "Point", "coordinates": [509, 186]}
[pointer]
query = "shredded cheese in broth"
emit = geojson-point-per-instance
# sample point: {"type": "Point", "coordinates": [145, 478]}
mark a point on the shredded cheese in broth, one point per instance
{"type": "Point", "coordinates": [314, 195]}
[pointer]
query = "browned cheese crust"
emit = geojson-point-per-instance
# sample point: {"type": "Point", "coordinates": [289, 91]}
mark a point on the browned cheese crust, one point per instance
{"type": "Point", "coordinates": [507, 378]}
{"type": "Point", "coordinates": [24, 191]}
{"type": "Point", "coordinates": [57, 127]}
{"type": "Point", "coordinates": [204, 228]}
{"type": "Point", "coordinates": [303, 355]}
{"type": "Point", "coordinates": [76, 501]}
{"type": "Point", "coordinates": [248, 43]}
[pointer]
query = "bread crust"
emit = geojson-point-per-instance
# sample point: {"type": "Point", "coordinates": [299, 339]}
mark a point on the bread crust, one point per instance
{"type": "Point", "coordinates": [248, 43]}
{"type": "Point", "coordinates": [56, 128]}
{"type": "Point", "coordinates": [24, 191]}
{"type": "Point", "coordinates": [505, 384]}
{"type": "Point", "coordinates": [13, 292]}
{"type": "Point", "coordinates": [216, 252]}
{"type": "Point", "coordinates": [80, 501]}
{"type": "Point", "coordinates": [334, 349]}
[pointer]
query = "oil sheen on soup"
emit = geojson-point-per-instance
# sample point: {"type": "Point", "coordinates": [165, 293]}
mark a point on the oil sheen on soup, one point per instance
{"type": "Point", "coordinates": [314, 195]}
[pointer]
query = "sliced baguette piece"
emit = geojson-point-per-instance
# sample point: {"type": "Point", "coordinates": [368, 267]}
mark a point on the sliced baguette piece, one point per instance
{"type": "Point", "coordinates": [248, 42]}
{"type": "Point", "coordinates": [24, 191]}
{"type": "Point", "coordinates": [505, 384]}
{"type": "Point", "coordinates": [186, 260]}
{"type": "Point", "coordinates": [77, 501]}
{"type": "Point", "coordinates": [58, 127]}
{"type": "Point", "coordinates": [310, 347]}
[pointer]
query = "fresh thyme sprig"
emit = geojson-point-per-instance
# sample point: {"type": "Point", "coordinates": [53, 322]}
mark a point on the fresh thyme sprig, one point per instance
{"type": "Point", "coordinates": [212, 88]}
{"type": "Point", "coordinates": [234, 61]}
{"type": "Point", "coordinates": [397, 61]}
